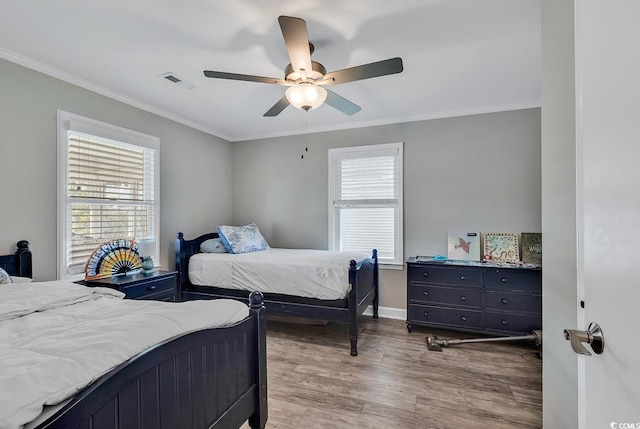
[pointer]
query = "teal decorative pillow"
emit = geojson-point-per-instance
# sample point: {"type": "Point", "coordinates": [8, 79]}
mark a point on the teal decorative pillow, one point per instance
{"type": "Point", "coordinates": [213, 245]}
{"type": "Point", "coordinates": [242, 239]}
{"type": "Point", "coordinates": [5, 278]}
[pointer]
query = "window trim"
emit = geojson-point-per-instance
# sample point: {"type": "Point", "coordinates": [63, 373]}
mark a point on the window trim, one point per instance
{"type": "Point", "coordinates": [67, 121]}
{"type": "Point", "coordinates": [370, 150]}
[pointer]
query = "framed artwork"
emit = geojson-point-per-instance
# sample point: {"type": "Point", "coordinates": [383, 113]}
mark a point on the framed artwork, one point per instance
{"type": "Point", "coordinates": [463, 246]}
{"type": "Point", "coordinates": [501, 247]}
{"type": "Point", "coordinates": [532, 247]}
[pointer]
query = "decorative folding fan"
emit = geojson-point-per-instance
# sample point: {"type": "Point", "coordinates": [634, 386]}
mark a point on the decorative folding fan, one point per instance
{"type": "Point", "coordinates": [113, 258]}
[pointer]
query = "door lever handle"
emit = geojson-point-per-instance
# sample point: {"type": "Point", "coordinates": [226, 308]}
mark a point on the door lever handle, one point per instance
{"type": "Point", "coordinates": [592, 336]}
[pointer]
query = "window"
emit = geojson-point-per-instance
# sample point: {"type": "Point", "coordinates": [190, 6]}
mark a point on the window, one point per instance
{"type": "Point", "coordinates": [365, 200]}
{"type": "Point", "coordinates": [108, 181]}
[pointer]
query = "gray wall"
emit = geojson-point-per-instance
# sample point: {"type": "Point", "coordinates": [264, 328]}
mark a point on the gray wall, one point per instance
{"type": "Point", "coordinates": [476, 173]}
{"type": "Point", "coordinates": [195, 166]}
{"type": "Point", "coordinates": [479, 173]}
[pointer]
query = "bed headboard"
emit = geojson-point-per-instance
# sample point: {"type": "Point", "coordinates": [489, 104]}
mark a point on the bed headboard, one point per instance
{"type": "Point", "coordinates": [184, 250]}
{"type": "Point", "coordinates": [19, 263]}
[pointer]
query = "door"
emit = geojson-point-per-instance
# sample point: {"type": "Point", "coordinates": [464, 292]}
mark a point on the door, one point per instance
{"type": "Point", "coordinates": [607, 70]}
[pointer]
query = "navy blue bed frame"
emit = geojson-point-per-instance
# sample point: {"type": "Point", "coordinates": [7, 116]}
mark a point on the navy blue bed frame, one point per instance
{"type": "Point", "coordinates": [211, 378]}
{"type": "Point", "coordinates": [363, 278]}
{"type": "Point", "coordinates": [19, 263]}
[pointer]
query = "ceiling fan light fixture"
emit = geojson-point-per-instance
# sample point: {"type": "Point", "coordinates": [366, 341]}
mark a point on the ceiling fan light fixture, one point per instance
{"type": "Point", "coordinates": [306, 96]}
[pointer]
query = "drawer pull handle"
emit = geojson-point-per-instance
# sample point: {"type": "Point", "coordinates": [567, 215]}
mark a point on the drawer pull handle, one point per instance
{"type": "Point", "coordinates": [152, 287]}
{"type": "Point", "coordinates": [504, 322]}
{"type": "Point", "coordinates": [426, 314]}
{"type": "Point", "coordinates": [425, 293]}
{"type": "Point", "coordinates": [463, 298]}
{"type": "Point", "coordinates": [504, 300]}
{"type": "Point", "coordinates": [463, 278]}
{"type": "Point", "coordinates": [425, 274]}
{"type": "Point", "coordinates": [463, 318]}
{"type": "Point", "coordinates": [503, 280]}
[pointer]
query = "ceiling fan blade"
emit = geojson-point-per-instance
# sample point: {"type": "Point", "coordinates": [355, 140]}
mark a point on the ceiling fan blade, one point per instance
{"type": "Point", "coordinates": [278, 107]}
{"type": "Point", "coordinates": [365, 71]}
{"type": "Point", "coordinates": [294, 31]}
{"type": "Point", "coordinates": [244, 77]}
{"type": "Point", "coordinates": [341, 103]}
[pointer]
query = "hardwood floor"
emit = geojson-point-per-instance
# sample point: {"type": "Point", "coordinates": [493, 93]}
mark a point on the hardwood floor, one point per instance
{"type": "Point", "coordinates": [395, 382]}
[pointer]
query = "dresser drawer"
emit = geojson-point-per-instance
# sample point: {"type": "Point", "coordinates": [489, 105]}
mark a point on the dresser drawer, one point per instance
{"type": "Point", "coordinates": [445, 276]}
{"type": "Point", "coordinates": [511, 322]}
{"type": "Point", "coordinates": [470, 319]}
{"type": "Point", "coordinates": [151, 289]}
{"type": "Point", "coordinates": [443, 295]}
{"type": "Point", "coordinates": [527, 281]}
{"type": "Point", "coordinates": [500, 301]}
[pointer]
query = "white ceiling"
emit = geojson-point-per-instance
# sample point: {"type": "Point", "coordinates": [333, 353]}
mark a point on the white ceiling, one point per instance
{"type": "Point", "coordinates": [460, 56]}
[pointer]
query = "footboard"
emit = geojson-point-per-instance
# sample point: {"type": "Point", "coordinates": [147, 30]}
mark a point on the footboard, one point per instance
{"type": "Point", "coordinates": [213, 378]}
{"type": "Point", "coordinates": [363, 278]}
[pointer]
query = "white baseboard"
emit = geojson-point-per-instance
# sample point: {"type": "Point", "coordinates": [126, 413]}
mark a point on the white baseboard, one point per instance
{"type": "Point", "coordinates": [388, 312]}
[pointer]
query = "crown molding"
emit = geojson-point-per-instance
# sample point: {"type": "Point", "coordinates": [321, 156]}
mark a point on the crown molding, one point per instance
{"type": "Point", "coordinates": [390, 121]}
{"type": "Point", "coordinates": [75, 80]}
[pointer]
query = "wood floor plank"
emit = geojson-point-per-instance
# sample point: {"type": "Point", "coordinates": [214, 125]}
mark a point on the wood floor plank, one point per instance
{"type": "Point", "coordinates": [395, 382]}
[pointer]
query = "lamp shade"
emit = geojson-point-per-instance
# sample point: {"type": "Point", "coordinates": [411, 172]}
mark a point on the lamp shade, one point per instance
{"type": "Point", "coordinates": [306, 96]}
{"type": "Point", "coordinates": [146, 247]}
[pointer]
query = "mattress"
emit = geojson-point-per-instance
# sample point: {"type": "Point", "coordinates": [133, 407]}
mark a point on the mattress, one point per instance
{"type": "Point", "coordinates": [308, 273]}
{"type": "Point", "coordinates": [57, 337]}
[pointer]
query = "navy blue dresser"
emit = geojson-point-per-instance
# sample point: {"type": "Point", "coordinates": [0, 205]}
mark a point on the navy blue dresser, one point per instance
{"type": "Point", "coordinates": [474, 298]}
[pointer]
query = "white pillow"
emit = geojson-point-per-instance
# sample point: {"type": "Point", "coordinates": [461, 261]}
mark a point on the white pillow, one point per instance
{"type": "Point", "coordinates": [212, 245]}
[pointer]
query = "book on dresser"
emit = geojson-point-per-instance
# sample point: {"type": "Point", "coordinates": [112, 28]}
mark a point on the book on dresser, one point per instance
{"type": "Point", "coordinates": [464, 246]}
{"type": "Point", "coordinates": [482, 298]}
{"type": "Point", "coordinates": [532, 247]}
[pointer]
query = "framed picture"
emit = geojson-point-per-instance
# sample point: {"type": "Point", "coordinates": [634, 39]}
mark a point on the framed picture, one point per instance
{"type": "Point", "coordinates": [463, 246]}
{"type": "Point", "coordinates": [532, 247]}
{"type": "Point", "coordinates": [501, 247]}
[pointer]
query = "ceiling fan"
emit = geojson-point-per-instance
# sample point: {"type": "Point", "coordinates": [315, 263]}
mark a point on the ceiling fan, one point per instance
{"type": "Point", "coordinates": [306, 79]}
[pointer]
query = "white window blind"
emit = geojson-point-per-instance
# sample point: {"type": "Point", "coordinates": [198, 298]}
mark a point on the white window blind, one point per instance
{"type": "Point", "coordinates": [366, 200]}
{"type": "Point", "coordinates": [109, 190]}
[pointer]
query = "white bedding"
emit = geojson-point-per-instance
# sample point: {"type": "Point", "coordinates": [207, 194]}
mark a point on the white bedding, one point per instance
{"type": "Point", "coordinates": [57, 337]}
{"type": "Point", "coordinates": [308, 273]}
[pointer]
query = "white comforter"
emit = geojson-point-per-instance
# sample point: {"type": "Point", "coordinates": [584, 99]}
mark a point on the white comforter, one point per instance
{"type": "Point", "coordinates": [57, 337]}
{"type": "Point", "coordinates": [308, 273]}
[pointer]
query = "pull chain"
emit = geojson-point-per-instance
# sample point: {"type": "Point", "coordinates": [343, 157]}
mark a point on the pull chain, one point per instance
{"type": "Point", "coordinates": [304, 129]}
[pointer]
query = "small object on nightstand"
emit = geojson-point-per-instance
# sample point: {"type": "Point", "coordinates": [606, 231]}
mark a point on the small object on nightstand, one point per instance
{"type": "Point", "coordinates": [147, 264]}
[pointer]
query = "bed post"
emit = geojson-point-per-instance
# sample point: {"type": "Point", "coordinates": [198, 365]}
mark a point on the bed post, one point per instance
{"type": "Point", "coordinates": [259, 419]}
{"type": "Point", "coordinates": [353, 309]}
{"type": "Point", "coordinates": [181, 268]}
{"type": "Point", "coordinates": [375, 283]}
{"type": "Point", "coordinates": [23, 254]}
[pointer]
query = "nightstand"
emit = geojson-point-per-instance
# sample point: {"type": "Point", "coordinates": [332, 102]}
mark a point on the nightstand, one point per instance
{"type": "Point", "coordinates": [157, 285]}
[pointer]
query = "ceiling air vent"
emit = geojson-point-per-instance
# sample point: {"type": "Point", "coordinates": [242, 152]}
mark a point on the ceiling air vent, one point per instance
{"type": "Point", "coordinates": [171, 77]}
